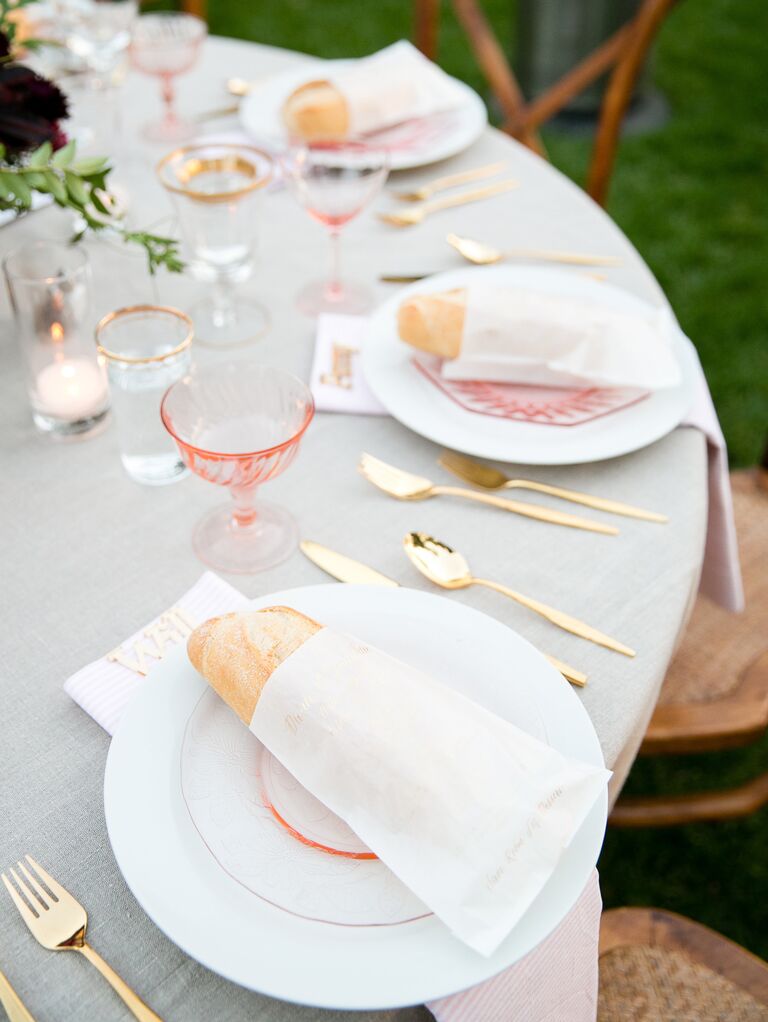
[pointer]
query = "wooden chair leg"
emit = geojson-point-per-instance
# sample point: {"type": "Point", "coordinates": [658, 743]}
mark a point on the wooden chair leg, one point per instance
{"type": "Point", "coordinates": [426, 14]}
{"type": "Point", "coordinates": [703, 807]}
{"type": "Point", "coordinates": [495, 66]}
{"type": "Point", "coordinates": [197, 7]}
{"type": "Point", "coordinates": [644, 27]}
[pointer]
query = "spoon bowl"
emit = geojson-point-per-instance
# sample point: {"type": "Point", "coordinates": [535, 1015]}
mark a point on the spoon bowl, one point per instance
{"type": "Point", "coordinates": [437, 561]}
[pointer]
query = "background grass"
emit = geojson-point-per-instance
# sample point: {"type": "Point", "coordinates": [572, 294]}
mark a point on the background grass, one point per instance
{"type": "Point", "coordinates": [692, 197]}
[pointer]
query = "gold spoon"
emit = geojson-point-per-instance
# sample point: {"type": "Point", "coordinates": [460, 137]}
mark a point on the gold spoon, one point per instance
{"type": "Point", "coordinates": [406, 486]}
{"type": "Point", "coordinates": [484, 255]}
{"type": "Point", "coordinates": [410, 217]}
{"type": "Point", "coordinates": [488, 478]}
{"type": "Point", "coordinates": [447, 568]}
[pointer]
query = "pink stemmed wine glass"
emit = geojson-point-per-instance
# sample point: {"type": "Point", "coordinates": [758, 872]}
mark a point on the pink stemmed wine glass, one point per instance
{"type": "Point", "coordinates": [167, 44]}
{"type": "Point", "coordinates": [238, 424]}
{"type": "Point", "coordinates": [334, 182]}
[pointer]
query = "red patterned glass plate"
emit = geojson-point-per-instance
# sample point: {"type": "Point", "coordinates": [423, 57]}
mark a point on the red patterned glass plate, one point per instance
{"type": "Point", "coordinates": [550, 406]}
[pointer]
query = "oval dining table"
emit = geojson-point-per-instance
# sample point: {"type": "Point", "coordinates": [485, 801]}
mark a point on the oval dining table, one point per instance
{"type": "Point", "coordinates": [89, 556]}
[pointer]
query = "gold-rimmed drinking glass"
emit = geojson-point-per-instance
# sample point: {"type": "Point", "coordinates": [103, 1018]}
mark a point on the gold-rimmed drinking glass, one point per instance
{"type": "Point", "coordinates": [217, 189]}
{"type": "Point", "coordinates": [146, 349]}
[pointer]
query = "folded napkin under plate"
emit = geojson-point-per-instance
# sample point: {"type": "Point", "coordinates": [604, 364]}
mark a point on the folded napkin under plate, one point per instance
{"type": "Point", "coordinates": [556, 981]}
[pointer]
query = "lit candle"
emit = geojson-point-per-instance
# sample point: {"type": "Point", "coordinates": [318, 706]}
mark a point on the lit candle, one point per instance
{"type": "Point", "coordinates": [71, 388]}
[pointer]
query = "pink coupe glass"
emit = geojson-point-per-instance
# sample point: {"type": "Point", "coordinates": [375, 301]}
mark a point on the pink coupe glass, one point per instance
{"type": "Point", "coordinates": [238, 424]}
{"type": "Point", "coordinates": [334, 182]}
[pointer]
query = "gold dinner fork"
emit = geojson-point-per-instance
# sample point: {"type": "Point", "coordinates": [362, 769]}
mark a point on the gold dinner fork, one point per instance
{"type": "Point", "coordinates": [440, 184]}
{"type": "Point", "coordinates": [405, 486]}
{"type": "Point", "coordinates": [414, 215]}
{"type": "Point", "coordinates": [488, 478]}
{"type": "Point", "coordinates": [58, 922]}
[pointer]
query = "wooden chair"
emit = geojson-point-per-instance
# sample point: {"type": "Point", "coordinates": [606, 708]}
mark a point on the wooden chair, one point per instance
{"type": "Point", "coordinates": [624, 52]}
{"type": "Point", "coordinates": [715, 695]}
{"type": "Point", "coordinates": [660, 967]}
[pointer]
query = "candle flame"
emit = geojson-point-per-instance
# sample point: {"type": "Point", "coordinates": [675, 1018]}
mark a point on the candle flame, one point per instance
{"type": "Point", "coordinates": [57, 333]}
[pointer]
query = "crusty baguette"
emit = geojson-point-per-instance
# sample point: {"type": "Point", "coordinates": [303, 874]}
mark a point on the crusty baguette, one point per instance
{"type": "Point", "coordinates": [237, 653]}
{"type": "Point", "coordinates": [316, 111]}
{"type": "Point", "coordinates": [434, 323]}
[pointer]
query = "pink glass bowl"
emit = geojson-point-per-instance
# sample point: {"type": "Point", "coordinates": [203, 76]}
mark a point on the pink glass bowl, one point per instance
{"type": "Point", "coordinates": [239, 424]}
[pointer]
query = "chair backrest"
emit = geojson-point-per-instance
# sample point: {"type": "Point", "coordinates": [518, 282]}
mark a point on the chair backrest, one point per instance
{"type": "Point", "coordinates": [624, 52]}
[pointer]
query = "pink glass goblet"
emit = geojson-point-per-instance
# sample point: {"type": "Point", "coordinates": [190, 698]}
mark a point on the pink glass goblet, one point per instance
{"type": "Point", "coordinates": [167, 44]}
{"type": "Point", "coordinates": [334, 182]}
{"type": "Point", "coordinates": [239, 424]}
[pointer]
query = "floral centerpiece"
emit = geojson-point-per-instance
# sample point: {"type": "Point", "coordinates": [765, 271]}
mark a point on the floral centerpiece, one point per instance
{"type": "Point", "coordinates": [36, 156]}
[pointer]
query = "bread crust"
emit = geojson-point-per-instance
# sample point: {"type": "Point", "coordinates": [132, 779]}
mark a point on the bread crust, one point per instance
{"type": "Point", "coordinates": [434, 323]}
{"type": "Point", "coordinates": [237, 653]}
{"type": "Point", "coordinates": [316, 111]}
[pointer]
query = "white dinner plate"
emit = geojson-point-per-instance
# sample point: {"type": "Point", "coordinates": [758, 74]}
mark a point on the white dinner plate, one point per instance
{"type": "Point", "coordinates": [186, 892]}
{"type": "Point", "coordinates": [449, 133]}
{"type": "Point", "coordinates": [421, 406]}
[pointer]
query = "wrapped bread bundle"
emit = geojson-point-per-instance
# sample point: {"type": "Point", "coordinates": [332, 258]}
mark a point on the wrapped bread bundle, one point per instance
{"type": "Point", "coordinates": [518, 335]}
{"type": "Point", "coordinates": [392, 86]}
{"type": "Point", "coordinates": [467, 810]}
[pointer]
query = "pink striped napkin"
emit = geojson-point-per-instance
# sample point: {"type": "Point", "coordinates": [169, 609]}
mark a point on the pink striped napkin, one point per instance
{"type": "Point", "coordinates": [556, 982]}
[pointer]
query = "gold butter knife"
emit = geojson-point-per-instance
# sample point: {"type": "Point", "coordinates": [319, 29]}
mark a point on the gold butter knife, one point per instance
{"type": "Point", "coordinates": [346, 569]}
{"type": "Point", "coordinates": [10, 1000]}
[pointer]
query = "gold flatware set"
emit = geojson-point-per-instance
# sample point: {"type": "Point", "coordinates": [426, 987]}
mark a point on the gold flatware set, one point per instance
{"type": "Point", "coordinates": [440, 184]}
{"type": "Point", "coordinates": [415, 214]}
{"type": "Point", "coordinates": [58, 921]}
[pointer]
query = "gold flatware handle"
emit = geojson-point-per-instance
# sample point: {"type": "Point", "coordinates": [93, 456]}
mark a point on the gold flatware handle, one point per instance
{"type": "Point", "coordinates": [557, 617]}
{"type": "Point", "coordinates": [12, 1003]}
{"type": "Point", "coordinates": [554, 256]}
{"type": "Point", "coordinates": [575, 677]}
{"type": "Point", "coordinates": [472, 196]}
{"type": "Point", "coordinates": [402, 278]}
{"type": "Point", "coordinates": [451, 180]}
{"type": "Point", "coordinates": [542, 514]}
{"type": "Point", "coordinates": [615, 507]}
{"type": "Point", "coordinates": [131, 1000]}
{"type": "Point", "coordinates": [213, 115]}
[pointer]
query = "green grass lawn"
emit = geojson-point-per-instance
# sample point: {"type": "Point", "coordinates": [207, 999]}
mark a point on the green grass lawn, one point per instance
{"type": "Point", "coordinates": [692, 198]}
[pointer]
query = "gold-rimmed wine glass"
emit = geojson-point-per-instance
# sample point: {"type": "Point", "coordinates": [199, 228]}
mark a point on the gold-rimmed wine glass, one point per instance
{"type": "Point", "coordinates": [216, 189]}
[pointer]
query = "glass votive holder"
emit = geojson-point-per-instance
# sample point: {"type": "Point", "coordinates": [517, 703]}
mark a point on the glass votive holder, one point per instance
{"type": "Point", "coordinates": [146, 348]}
{"type": "Point", "coordinates": [50, 290]}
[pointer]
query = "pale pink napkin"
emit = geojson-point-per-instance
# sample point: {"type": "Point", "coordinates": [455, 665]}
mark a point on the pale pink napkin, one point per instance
{"type": "Point", "coordinates": [556, 982]}
{"type": "Point", "coordinates": [344, 332]}
{"type": "Point", "coordinates": [721, 572]}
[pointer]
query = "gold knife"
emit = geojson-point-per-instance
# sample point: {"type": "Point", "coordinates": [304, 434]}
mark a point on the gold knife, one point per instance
{"type": "Point", "coordinates": [345, 569]}
{"type": "Point", "coordinates": [10, 1000]}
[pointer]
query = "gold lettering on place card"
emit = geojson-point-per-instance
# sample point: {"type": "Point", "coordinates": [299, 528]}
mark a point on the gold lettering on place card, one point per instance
{"type": "Point", "coordinates": [170, 628]}
{"type": "Point", "coordinates": [341, 367]}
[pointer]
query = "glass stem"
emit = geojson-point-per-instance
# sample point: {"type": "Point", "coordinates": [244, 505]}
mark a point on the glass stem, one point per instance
{"type": "Point", "coordinates": [334, 287]}
{"type": "Point", "coordinates": [223, 313]}
{"type": "Point", "coordinates": [168, 99]}
{"type": "Point", "coordinates": [244, 510]}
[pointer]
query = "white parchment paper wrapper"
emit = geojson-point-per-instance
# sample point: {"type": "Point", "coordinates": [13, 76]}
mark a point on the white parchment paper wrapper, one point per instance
{"type": "Point", "coordinates": [396, 84]}
{"type": "Point", "coordinates": [471, 813]}
{"type": "Point", "coordinates": [517, 335]}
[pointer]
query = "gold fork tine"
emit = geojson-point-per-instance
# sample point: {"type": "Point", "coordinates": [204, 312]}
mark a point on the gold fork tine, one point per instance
{"type": "Point", "coordinates": [42, 896]}
{"type": "Point", "coordinates": [25, 911]}
{"type": "Point", "coordinates": [55, 888]}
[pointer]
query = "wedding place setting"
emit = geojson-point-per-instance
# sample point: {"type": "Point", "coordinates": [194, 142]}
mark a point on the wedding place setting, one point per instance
{"type": "Point", "coordinates": [350, 746]}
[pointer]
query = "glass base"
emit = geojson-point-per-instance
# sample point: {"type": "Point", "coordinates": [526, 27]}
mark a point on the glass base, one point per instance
{"type": "Point", "coordinates": [154, 469]}
{"type": "Point", "coordinates": [248, 322]}
{"type": "Point", "coordinates": [79, 429]}
{"type": "Point", "coordinates": [245, 550]}
{"type": "Point", "coordinates": [170, 131]}
{"type": "Point", "coordinates": [351, 298]}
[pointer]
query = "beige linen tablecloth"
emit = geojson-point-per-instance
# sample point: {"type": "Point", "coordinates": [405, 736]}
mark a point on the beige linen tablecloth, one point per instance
{"type": "Point", "coordinates": [89, 556]}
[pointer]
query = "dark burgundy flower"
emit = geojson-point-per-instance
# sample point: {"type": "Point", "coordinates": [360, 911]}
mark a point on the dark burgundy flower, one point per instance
{"type": "Point", "coordinates": [30, 109]}
{"type": "Point", "coordinates": [5, 46]}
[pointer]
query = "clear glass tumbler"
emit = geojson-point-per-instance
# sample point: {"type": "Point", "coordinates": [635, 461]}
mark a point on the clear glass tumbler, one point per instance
{"type": "Point", "coordinates": [50, 289]}
{"type": "Point", "coordinates": [95, 33]}
{"type": "Point", "coordinates": [147, 349]}
{"type": "Point", "coordinates": [216, 190]}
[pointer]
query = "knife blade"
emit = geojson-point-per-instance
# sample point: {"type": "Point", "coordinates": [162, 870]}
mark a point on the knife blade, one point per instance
{"type": "Point", "coordinates": [343, 568]}
{"type": "Point", "coordinates": [10, 1000]}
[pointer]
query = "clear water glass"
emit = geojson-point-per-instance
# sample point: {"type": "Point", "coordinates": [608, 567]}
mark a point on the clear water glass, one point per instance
{"type": "Point", "coordinates": [50, 290]}
{"type": "Point", "coordinates": [96, 33]}
{"type": "Point", "coordinates": [147, 350]}
{"type": "Point", "coordinates": [217, 190]}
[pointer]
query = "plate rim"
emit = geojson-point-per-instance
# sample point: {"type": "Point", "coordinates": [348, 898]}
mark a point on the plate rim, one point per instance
{"type": "Point", "coordinates": [340, 999]}
{"type": "Point", "coordinates": [377, 339]}
{"type": "Point", "coordinates": [397, 161]}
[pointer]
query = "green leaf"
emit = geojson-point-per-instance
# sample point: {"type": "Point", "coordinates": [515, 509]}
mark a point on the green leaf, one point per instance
{"type": "Point", "coordinates": [55, 186]}
{"type": "Point", "coordinates": [99, 205]}
{"type": "Point", "coordinates": [5, 191]}
{"type": "Point", "coordinates": [64, 157]}
{"type": "Point", "coordinates": [22, 190]}
{"type": "Point", "coordinates": [76, 188]}
{"type": "Point", "coordinates": [41, 156]}
{"type": "Point", "coordinates": [2, 151]}
{"type": "Point", "coordinates": [36, 179]}
{"type": "Point", "coordinates": [89, 165]}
